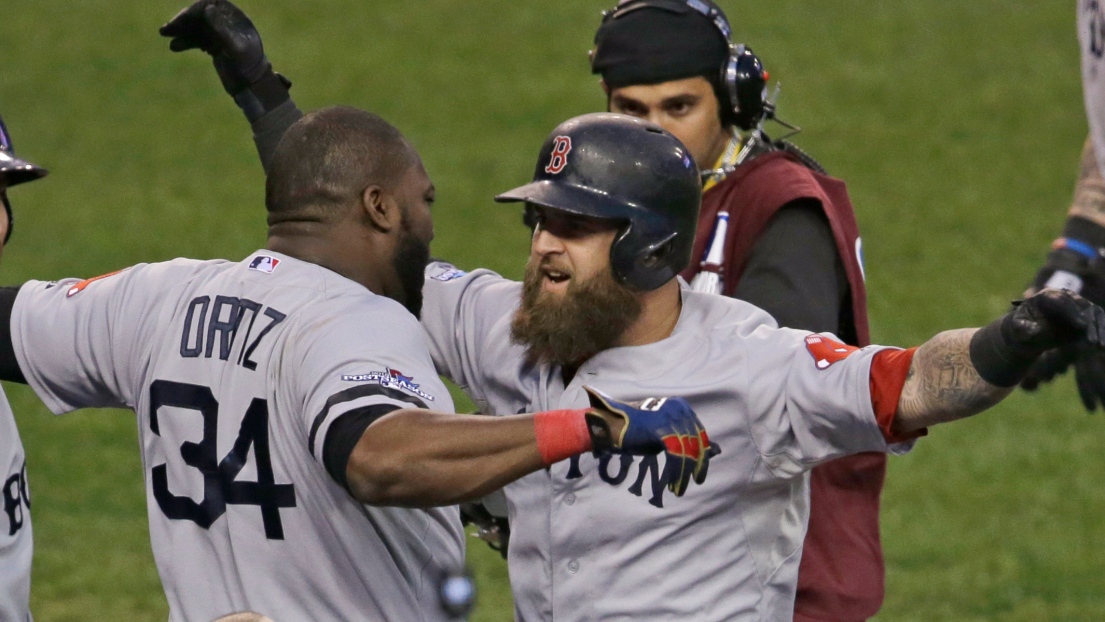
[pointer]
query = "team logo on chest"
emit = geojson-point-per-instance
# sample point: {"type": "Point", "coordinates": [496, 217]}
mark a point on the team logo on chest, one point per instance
{"type": "Point", "coordinates": [562, 146]}
{"type": "Point", "coordinates": [392, 378]}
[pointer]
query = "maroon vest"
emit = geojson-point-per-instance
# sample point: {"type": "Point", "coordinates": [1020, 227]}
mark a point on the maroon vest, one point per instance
{"type": "Point", "coordinates": [841, 576]}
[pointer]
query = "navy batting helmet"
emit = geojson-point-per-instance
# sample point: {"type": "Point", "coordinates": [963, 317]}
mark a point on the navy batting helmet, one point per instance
{"type": "Point", "coordinates": [622, 168]}
{"type": "Point", "coordinates": [13, 171]}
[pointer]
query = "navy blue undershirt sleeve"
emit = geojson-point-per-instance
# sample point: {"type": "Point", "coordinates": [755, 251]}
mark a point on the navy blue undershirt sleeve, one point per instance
{"type": "Point", "coordinates": [270, 128]}
{"type": "Point", "coordinates": [9, 365]}
{"type": "Point", "coordinates": [345, 432]}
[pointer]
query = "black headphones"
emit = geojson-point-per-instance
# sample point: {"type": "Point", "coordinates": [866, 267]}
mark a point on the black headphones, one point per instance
{"type": "Point", "coordinates": [742, 78]}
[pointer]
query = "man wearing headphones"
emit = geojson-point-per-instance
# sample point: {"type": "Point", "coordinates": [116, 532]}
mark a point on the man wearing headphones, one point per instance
{"type": "Point", "coordinates": [774, 230]}
{"type": "Point", "coordinates": [15, 519]}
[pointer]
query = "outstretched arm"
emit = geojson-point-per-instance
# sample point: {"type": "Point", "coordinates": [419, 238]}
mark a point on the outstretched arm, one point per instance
{"type": "Point", "coordinates": [223, 31]}
{"type": "Point", "coordinates": [418, 458]}
{"type": "Point", "coordinates": [943, 385]}
{"type": "Point", "coordinates": [960, 373]}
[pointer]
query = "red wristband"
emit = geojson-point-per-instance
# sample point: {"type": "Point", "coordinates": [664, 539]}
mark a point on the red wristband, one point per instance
{"type": "Point", "coordinates": [561, 434]}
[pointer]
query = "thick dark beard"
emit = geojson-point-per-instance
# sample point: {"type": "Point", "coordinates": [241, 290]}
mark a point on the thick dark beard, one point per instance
{"type": "Point", "coordinates": [410, 260]}
{"type": "Point", "coordinates": [567, 330]}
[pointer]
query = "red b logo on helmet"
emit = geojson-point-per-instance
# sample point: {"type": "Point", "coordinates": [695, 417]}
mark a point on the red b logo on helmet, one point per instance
{"type": "Point", "coordinates": [559, 159]}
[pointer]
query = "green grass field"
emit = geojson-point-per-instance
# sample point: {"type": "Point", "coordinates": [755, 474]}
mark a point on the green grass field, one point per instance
{"type": "Point", "coordinates": [957, 126]}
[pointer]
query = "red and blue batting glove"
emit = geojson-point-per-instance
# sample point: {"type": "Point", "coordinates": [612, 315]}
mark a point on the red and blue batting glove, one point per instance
{"type": "Point", "coordinates": [652, 426]}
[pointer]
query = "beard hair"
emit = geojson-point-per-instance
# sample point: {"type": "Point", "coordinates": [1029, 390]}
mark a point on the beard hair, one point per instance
{"type": "Point", "coordinates": [566, 330]}
{"type": "Point", "coordinates": [409, 261]}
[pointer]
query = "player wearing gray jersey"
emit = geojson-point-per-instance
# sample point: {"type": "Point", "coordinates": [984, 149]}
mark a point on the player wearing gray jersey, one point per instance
{"type": "Point", "coordinates": [16, 545]}
{"type": "Point", "coordinates": [731, 555]}
{"type": "Point", "coordinates": [237, 371]}
{"type": "Point", "coordinates": [611, 231]}
{"type": "Point", "coordinates": [283, 401]}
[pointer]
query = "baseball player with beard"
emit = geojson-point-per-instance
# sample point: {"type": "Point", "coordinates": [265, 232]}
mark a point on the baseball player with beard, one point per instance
{"type": "Point", "coordinates": [15, 520]}
{"type": "Point", "coordinates": [600, 305]}
{"type": "Point", "coordinates": [294, 435]}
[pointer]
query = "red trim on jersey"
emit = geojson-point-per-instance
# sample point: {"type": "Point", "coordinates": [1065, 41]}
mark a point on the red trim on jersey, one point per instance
{"type": "Point", "coordinates": [79, 287]}
{"type": "Point", "coordinates": [561, 434]}
{"type": "Point", "coordinates": [889, 370]}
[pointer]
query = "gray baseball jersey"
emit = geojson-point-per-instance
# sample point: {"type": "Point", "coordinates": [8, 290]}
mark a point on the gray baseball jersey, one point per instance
{"type": "Point", "coordinates": [236, 372]}
{"type": "Point", "coordinates": [1091, 38]}
{"type": "Point", "coordinates": [15, 522]}
{"type": "Point", "coordinates": [601, 539]}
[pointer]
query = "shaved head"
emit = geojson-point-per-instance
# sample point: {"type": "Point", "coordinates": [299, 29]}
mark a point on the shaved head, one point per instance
{"type": "Point", "coordinates": [327, 159]}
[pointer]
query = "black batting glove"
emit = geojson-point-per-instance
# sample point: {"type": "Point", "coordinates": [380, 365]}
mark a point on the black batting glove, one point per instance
{"type": "Point", "coordinates": [1089, 372]}
{"type": "Point", "coordinates": [1048, 366]}
{"type": "Point", "coordinates": [1004, 351]}
{"type": "Point", "coordinates": [1077, 262]}
{"type": "Point", "coordinates": [227, 35]}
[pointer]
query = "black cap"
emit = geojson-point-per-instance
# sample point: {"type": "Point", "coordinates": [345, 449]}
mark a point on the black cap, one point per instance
{"type": "Point", "coordinates": [654, 41]}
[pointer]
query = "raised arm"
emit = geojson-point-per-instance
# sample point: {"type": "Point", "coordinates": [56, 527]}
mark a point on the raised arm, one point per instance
{"type": "Point", "coordinates": [960, 373]}
{"type": "Point", "coordinates": [230, 38]}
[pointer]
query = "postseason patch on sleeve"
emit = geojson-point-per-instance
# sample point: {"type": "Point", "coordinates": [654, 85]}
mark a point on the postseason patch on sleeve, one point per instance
{"type": "Point", "coordinates": [391, 378]}
{"type": "Point", "coordinates": [445, 272]}
{"type": "Point", "coordinates": [826, 351]}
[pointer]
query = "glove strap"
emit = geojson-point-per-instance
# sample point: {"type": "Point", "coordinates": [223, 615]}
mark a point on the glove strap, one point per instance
{"type": "Point", "coordinates": [561, 434]}
{"type": "Point", "coordinates": [998, 360]}
{"type": "Point", "coordinates": [263, 96]}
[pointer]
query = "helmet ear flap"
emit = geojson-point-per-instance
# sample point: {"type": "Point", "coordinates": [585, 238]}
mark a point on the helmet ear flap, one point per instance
{"type": "Point", "coordinates": [657, 254]}
{"type": "Point", "coordinates": [640, 264]}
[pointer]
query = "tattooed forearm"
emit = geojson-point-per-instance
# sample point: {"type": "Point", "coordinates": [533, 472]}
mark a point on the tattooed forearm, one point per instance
{"type": "Point", "coordinates": [1089, 192]}
{"type": "Point", "coordinates": [943, 385]}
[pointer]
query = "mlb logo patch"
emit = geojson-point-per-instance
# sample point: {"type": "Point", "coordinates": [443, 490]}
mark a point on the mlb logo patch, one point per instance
{"type": "Point", "coordinates": [264, 263]}
{"type": "Point", "coordinates": [826, 351]}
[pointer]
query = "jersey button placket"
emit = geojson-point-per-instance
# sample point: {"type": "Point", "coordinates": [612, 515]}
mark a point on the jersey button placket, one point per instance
{"type": "Point", "coordinates": [573, 566]}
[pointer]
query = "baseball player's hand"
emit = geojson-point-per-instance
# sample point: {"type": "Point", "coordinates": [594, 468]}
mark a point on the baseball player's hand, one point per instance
{"type": "Point", "coordinates": [227, 35]}
{"type": "Point", "coordinates": [1054, 318]}
{"type": "Point", "coordinates": [494, 530]}
{"type": "Point", "coordinates": [1048, 366]}
{"type": "Point", "coordinates": [1089, 376]}
{"type": "Point", "coordinates": [652, 426]}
